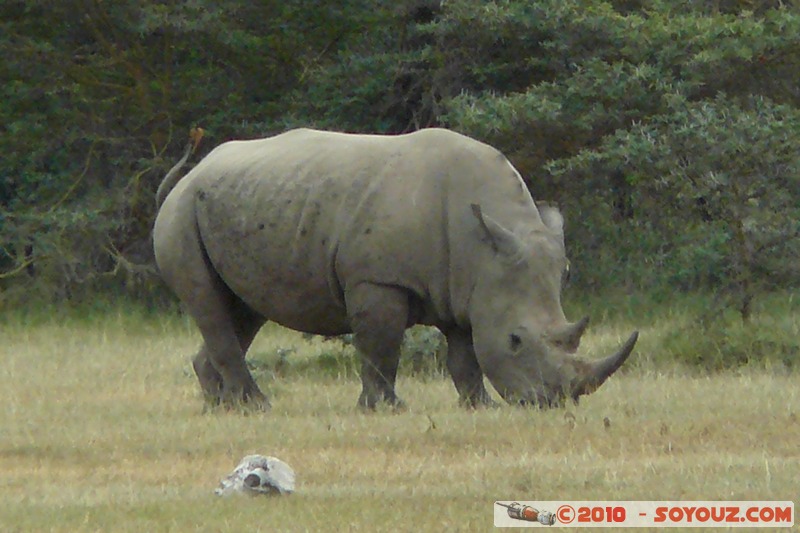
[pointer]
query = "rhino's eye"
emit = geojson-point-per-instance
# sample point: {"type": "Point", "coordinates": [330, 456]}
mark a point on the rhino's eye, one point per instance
{"type": "Point", "coordinates": [514, 341]}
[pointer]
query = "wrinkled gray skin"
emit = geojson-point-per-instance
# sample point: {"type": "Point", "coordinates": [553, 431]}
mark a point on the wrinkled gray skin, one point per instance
{"type": "Point", "coordinates": [332, 233]}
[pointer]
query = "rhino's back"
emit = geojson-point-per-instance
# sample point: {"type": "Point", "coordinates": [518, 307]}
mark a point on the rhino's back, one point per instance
{"type": "Point", "coordinates": [288, 222]}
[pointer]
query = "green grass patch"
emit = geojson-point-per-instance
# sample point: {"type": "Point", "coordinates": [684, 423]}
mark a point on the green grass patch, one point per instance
{"type": "Point", "coordinates": [102, 429]}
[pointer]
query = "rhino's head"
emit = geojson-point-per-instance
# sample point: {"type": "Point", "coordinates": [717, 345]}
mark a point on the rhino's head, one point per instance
{"type": "Point", "coordinates": [522, 340]}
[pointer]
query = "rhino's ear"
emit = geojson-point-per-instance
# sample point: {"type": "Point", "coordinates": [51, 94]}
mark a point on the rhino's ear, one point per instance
{"type": "Point", "coordinates": [503, 240]}
{"type": "Point", "coordinates": [551, 217]}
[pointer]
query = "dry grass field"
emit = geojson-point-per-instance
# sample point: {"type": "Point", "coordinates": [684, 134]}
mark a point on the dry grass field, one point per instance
{"type": "Point", "coordinates": [101, 429]}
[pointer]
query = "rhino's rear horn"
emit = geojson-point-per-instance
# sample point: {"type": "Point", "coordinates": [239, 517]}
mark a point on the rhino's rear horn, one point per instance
{"type": "Point", "coordinates": [597, 372]}
{"type": "Point", "coordinates": [568, 338]}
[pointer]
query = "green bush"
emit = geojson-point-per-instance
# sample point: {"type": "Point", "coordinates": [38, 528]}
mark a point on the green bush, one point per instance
{"type": "Point", "coordinates": [728, 344]}
{"type": "Point", "coordinates": [705, 332]}
{"type": "Point", "coordinates": [424, 352]}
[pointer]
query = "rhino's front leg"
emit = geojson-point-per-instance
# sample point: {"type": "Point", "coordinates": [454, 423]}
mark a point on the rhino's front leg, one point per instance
{"type": "Point", "coordinates": [378, 317]}
{"type": "Point", "coordinates": [465, 370]}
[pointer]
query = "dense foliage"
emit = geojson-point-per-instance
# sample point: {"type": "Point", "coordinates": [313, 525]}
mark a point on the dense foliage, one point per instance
{"type": "Point", "coordinates": [668, 131]}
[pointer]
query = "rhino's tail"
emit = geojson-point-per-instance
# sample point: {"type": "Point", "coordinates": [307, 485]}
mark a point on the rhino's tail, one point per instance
{"type": "Point", "coordinates": [174, 175]}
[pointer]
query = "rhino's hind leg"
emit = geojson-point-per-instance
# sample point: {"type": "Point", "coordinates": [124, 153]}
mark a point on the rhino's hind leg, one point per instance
{"type": "Point", "coordinates": [465, 370]}
{"type": "Point", "coordinates": [247, 325]}
{"type": "Point", "coordinates": [210, 380]}
{"type": "Point", "coordinates": [227, 333]}
{"type": "Point", "coordinates": [226, 324]}
{"type": "Point", "coordinates": [378, 317]}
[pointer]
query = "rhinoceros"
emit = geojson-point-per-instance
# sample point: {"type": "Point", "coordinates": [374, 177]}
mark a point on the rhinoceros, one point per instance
{"type": "Point", "coordinates": [332, 233]}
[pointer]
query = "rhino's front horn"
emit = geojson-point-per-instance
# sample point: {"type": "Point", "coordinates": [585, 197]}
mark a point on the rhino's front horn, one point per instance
{"type": "Point", "coordinates": [599, 371]}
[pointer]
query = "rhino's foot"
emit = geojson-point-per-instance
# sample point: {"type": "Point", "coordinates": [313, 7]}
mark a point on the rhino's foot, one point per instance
{"type": "Point", "coordinates": [479, 401]}
{"type": "Point", "coordinates": [213, 405]}
{"type": "Point", "coordinates": [247, 403]}
{"type": "Point", "coordinates": [210, 380]}
{"type": "Point", "coordinates": [243, 398]}
{"type": "Point", "coordinates": [239, 407]}
{"type": "Point", "coordinates": [372, 401]}
{"type": "Point", "coordinates": [258, 402]}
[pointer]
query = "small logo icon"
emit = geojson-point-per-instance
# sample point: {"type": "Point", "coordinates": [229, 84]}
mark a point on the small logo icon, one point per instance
{"type": "Point", "coordinates": [517, 511]}
{"type": "Point", "coordinates": [565, 514]}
